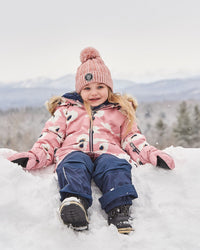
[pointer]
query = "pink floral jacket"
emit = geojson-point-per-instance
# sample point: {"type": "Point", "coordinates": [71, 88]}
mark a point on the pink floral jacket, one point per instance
{"type": "Point", "coordinates": [70, 129]}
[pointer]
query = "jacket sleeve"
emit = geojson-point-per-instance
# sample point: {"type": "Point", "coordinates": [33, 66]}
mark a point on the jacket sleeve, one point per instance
{"type": "Point", "coordinates": [141, 152]}
{"type": "Point", "coordinates": [133, 143]}
{"type": "Point", "coordinates": [51, 138]}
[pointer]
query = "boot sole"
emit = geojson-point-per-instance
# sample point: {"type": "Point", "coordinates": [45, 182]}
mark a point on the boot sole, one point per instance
{"type": "Point", "coordinates": [74, 216]}
{"type": "Point", "coordinates": [125, 230]}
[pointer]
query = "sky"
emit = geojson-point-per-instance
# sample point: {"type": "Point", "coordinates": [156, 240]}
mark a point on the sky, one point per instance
{"type": "Point", "coordinates": [139, 40]}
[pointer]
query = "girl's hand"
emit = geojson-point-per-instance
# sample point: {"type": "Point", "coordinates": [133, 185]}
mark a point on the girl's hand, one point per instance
{"type": "Point", "coordinates": [156, 157]}
{"type": "Point", "coordinates": [25, 159]}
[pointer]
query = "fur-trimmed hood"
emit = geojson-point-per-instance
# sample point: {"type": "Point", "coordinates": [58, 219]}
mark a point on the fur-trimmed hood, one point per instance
{"type": "Point", "coordinates": [74, 97]}
{"type": "Point", "coordinates": [57, 101]}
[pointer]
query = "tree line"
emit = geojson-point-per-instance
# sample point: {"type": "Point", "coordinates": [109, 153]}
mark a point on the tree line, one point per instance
{"type": "Point", "coordinates": [183, 129]}
{"type": "Point", "coordinates": [163, 125]}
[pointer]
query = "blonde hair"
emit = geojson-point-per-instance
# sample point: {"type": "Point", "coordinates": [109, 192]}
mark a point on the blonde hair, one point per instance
{"type": "Point", "coordinates": [127, 104]}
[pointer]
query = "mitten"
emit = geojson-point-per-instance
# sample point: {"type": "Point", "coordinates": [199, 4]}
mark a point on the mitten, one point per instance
{"type": "Point", "coordinates": [27, 160]}
{"type": "Point", "coordinates": [156, 157]}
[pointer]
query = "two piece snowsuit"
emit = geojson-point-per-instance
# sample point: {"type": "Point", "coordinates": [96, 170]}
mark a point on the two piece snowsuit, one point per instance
{"type": "Point", "coordinates": [84, 147]}
{"type": "Point", "coordinates": [83, 150]}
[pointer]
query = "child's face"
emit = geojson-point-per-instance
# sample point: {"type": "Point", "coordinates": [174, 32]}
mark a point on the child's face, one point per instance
{"type": "Point", "coordinates": [95, 94]}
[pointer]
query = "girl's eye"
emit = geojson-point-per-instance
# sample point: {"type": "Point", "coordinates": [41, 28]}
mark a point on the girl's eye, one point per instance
{"type": "Point", "coordinates": [86, 88]}
{"type": "Point", "coordinates": [100, 87]}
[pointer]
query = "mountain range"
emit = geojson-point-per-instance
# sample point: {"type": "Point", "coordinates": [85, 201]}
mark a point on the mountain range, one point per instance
{"type": "Point", "coordinates": [34, 92]}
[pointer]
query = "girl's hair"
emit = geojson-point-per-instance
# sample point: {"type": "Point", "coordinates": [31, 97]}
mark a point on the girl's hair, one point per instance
{"type": "Point", "coordinates": [127, 104]}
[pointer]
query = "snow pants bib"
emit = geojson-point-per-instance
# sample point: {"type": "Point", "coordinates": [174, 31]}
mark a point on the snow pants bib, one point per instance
{"type": "Point", "coordinates": [111, 174]}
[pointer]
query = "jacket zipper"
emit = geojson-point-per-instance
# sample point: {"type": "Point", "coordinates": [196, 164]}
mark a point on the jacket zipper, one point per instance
{"type": "Point", "coordinates": [134, 148]}
{"type": "Point", "coordinates": [91, 132]}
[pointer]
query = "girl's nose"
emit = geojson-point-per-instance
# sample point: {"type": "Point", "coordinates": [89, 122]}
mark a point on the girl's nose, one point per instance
{"type": "Point", "coordinates": [93, 92]}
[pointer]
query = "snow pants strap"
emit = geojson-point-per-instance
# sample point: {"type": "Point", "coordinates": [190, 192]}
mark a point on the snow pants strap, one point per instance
{"type": "Point", "coordinates": [113, 176]}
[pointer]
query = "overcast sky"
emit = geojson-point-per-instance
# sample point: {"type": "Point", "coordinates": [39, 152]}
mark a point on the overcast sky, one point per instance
{"type": "Point", "coordinates": [139, 40]}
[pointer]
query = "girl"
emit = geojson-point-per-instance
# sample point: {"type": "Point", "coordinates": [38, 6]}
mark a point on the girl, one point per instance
{"type": "Point", "coordinates": [93, 134]}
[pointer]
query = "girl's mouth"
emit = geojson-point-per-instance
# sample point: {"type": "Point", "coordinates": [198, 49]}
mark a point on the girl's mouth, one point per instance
{"type": "Point", "coordinates": [94, 99]}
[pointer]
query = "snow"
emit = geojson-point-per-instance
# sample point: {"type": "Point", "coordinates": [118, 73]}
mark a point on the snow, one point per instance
{"type": "Point", "coordinates": [165, 216]}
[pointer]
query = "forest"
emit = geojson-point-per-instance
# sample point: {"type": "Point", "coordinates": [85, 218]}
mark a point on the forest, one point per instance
{"type": "Point", "coordinates": [163, 123]}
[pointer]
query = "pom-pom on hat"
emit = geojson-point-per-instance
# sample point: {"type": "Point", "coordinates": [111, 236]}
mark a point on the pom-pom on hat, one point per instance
{"type": "Point", "coordinates": [92, 70]}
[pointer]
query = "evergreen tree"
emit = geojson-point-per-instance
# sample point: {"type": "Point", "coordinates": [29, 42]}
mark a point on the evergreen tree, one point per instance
{"type": "Point", "coordinates": [196, 126]}
{"type": "Point", "coordinates": [184, 128]}
{"type": "Point", "coordinates": [161, 127]}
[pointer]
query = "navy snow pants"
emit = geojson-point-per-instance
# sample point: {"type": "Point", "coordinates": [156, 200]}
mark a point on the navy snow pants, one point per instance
{"type": "Point", "coordinates": [111, 174]}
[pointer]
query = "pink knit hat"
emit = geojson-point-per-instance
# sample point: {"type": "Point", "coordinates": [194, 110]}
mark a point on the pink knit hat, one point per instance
{"type": "Point", "coordinates": [92, 70]}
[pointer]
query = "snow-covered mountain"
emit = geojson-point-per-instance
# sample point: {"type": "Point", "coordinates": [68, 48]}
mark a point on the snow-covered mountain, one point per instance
{"type": "Point", "coordinates": [166, 214]}
{"type": "Point", "coordinates": [42, 82]}
{"type": "Point", "coordinates": [34, 92]}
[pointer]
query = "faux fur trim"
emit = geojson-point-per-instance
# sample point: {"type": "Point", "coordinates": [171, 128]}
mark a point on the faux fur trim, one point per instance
{"type": "Point", "coordinates": [53, 103]}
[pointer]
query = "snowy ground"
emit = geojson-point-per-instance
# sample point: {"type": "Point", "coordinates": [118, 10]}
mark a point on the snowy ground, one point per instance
{"type": "Point", "coordinates": [166, 214]}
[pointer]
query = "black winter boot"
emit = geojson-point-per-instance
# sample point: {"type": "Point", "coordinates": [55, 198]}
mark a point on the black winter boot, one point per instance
{"type": "Point", "coordinates": [119, 217]}
{"type": "Point", "coordinates": [73, 212]}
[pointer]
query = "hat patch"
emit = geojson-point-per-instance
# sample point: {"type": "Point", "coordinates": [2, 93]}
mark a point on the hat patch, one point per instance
{"type": "Point", "coordinates": [88, 77]}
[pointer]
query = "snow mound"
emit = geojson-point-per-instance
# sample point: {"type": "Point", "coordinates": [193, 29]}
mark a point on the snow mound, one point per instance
{"type": "Point", "coordinates": [165, 216]}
